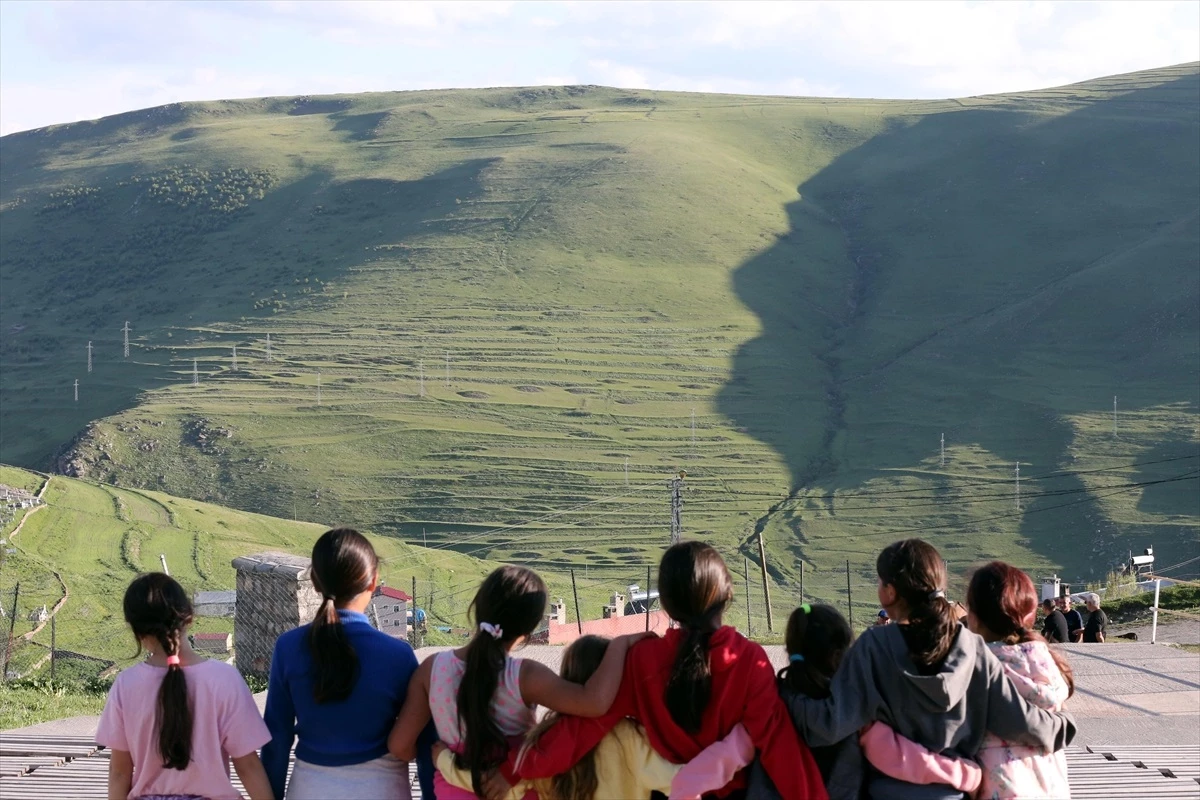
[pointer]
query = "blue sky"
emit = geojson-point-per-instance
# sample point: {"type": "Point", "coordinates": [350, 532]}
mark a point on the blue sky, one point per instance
{"type": "Point", "coordinates": [67, 61]}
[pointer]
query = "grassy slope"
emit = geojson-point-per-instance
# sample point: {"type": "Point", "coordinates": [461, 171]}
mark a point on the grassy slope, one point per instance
{"type": "Point", "coordinates": [98, 537]}
{"type": "Point", "coordinates": [828, 284]}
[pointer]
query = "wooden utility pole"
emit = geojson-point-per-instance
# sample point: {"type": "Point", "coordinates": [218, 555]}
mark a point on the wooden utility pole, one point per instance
{"type": "Point", "coordinates": [849, 601]}
{"type": "Point", "coordinates": [762, 557]}
{"type": "Point", "coordinates": [801, 582]}
{"type": "Point", "coordinates": [54, 642]}
{"type": "Point", "coordinates": [575, 594]}
{"type": "Point", "coordinates": [647, 597]}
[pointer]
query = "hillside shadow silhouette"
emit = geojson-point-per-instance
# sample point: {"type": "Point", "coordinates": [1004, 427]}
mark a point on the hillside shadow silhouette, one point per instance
{"type": "Point", "coordinates": [989, 276]}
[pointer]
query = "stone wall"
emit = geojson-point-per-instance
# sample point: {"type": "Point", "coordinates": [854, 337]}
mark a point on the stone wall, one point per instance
{"type": "Point", "coordinates": [274, 594]}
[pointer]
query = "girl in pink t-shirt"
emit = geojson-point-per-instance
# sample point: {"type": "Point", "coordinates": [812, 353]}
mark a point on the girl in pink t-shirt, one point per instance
{"type": "Point", "coordinates": [174, 722]}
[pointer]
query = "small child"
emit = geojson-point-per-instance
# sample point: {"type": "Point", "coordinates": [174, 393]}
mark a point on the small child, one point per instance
{"type": "Point", "coordinates": [817, 638]}
{"type": "Point", "coordinates": [623, 765]}
{"type": "Point", "coordinates": [174, 721]}
{"type": "Point", "coordinates": [1001, 605]}
{"type": "Point", "coordinates": [482, 700]}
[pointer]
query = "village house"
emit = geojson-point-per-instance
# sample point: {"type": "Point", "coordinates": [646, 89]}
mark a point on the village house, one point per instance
{"type": "Point", "coordinates": [389, 611]}
{"type": "Point", "coordinates": [215, 643]}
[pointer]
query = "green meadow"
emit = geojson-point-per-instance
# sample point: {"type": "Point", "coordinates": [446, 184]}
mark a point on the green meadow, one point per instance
{"type": "Point", "coordinates": [500, 320]}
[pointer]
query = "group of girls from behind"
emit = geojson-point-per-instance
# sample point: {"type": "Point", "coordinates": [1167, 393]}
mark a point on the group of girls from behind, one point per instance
{"type": "Point", "coordinates": [920, 709]}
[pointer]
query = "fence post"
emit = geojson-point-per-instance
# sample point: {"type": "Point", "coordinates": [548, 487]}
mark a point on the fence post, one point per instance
{"type": "Point", "coordinates": [746, 575]}
{"type": "Point", "coordinates": [1154, 620]}
{"type": "Point", "coordinates": [849, 601]}
{"type": "Point", "coordinates": [575, 594]}
{"type": "Point", "coordinates": [53, 644]}
{"type": "Point", "coordinates": [12, 624]}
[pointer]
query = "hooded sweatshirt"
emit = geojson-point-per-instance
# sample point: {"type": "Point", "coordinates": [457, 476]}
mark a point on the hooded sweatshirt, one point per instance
{"type": "Point", "coordinates": [948, 711]}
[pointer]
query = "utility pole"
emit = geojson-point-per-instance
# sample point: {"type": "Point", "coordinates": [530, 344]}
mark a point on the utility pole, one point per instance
{"type": "Point", "coordinates": [943, 449]}
{"type": "Point", "coordinates": [746, 577]}
{"type": "Point", "coordinates": [447, 369]}
{"type": "Point", "coordinates": [125, 330]}
{"type": "Point", "coordinates": [626, 470]}
{"type": "Point", "coordinates": [762, 557]}
{"type": "Point", "coordinates": [693, 432]}
{"type": "Point", "coordinates": [849, 600]}
{"type": "Point", "coordinates": [234, 365]}
{"type": "Point", "coordinates": [647, 598]}
{"type": "Point", "coordinates": [318, 387]}
{"type": "Point", "coordinates": [163, 559]}
{"type": "Point", "coordinates": [89, 355]}
{"type": "Point", "coordinates": [421, 377]}
{"type": "Point", "coordinates": [269, 347]}
{"type": "Point", "coordinates": [801, 583]}
{"type": "Point", "coordinates": [1017, 473]}
{"type": "Point", "coordinates": [1114, 415]}
{"type": "Point", "coordinates": [195, 374]}
{"type": "Point", "coordinates": [53, 644]}
{"type": "Point", "coordinates": [575, 593]}
{"type": "Point", "coordinates": [77, 390]}
{"type": "Point", "coordinates": [677, 507]}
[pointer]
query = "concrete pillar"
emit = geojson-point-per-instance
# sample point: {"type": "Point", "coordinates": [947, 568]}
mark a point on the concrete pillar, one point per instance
{"type": "Point", "coordinates": [274, 594]}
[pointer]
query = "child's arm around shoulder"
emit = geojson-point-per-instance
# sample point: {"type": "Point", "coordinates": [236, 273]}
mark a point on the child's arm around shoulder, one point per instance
{"type": "Point", "coordinates": [715, 766]}
{"type": "Point", "coordinates": [905, 760]}
{"type": "Point", "coordinates": [414, 714]}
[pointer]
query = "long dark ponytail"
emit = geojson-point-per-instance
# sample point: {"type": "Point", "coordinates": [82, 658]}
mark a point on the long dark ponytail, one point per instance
{"type": "Point", "coordinates": [915, 569]}
{"type": "Point", "coordinates": [817, 638]}
{"type": "Point", "coordinates": [1004, 600]}
{"type": "Point", "coordinates": [344, 565]}
{"type": "Point", "coordinates": [156, 605]}
{"type": "Point", "coordinates": [510, 603]}
{"type": "Point", "coordinates": [694, 588]}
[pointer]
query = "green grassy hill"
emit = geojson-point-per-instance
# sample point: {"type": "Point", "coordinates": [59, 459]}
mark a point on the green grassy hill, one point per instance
{"type": "Point", "coordinates": [526, 308]}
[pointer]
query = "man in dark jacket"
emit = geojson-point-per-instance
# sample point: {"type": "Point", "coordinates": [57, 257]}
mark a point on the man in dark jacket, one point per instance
{"type": "Point", "coordinates": [1055, 628]}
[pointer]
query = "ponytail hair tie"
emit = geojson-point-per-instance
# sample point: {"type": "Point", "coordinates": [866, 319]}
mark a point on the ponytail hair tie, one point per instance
{"type": "Point", "coordinates": [807, 609]}
{"type": "Point", "coordinates": [328, 597]}
{"type": "Point", "coordinates": [797, 658]}
{"type": "Point", "coordinates": [935, 594]}
{"type": "Point", "coordinates": [173, 661]}
{"type": "Point", "coordinates": [494, 630]}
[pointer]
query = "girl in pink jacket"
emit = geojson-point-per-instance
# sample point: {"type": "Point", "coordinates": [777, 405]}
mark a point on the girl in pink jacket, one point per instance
{"type": "Point", "coordinates": [1001, 604]}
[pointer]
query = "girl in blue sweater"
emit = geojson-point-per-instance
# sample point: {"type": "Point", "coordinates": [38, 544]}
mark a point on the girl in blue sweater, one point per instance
{"type": "Point", "coordinates": [337, 686]}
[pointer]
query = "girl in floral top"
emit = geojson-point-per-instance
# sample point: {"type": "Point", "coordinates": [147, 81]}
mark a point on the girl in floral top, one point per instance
{"type": "Point", "coordinates": [1001, 604]}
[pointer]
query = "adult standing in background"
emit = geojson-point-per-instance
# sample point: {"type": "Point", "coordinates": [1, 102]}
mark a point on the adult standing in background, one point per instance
{"type": "Point", "coordinates": [337, 686]}
{"type": "Point", "coordinates": [1096, 626]}
{"type": "Point", "coordinates": [1074, 620]}
{"type": "Point", "coordinates": [1054, 630]}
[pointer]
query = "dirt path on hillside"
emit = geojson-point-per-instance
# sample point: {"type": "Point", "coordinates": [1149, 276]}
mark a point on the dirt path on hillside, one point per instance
{"type": "Point", "coordinates": [66, 593]}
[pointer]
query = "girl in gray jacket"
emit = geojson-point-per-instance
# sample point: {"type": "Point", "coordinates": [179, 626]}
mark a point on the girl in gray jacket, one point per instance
{"type": "Point", "coordinates": [927, 677]}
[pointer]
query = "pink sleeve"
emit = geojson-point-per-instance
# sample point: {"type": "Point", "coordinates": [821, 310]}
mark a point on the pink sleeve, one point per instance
{"type": "Point", "coordinates": [242, 728]}
{"type": "Point", "coordinates": [905, 760]}
{"type": "Point", "coordinates": [714, 766]}
{"type": "Point", "coordinates": [110, 732]}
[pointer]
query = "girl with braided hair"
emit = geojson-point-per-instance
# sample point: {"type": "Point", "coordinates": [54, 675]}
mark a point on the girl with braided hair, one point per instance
{"type": "Point", "coordinates": [175, 721]}
{"type": "Point", "coordinates": [1001, 604]}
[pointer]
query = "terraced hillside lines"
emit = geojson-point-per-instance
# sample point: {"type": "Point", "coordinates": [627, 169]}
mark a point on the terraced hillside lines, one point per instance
{"type": "Point", "coordinates": [80, 540]}
{"type": "Point", "coordinates": [518, 300]}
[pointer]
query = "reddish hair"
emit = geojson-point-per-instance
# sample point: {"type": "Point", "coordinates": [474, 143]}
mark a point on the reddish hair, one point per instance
{"type": "Point", "coordinates": [1004, 600]}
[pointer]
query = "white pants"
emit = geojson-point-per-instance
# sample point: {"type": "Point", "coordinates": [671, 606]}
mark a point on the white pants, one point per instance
{"type": "Point", "coordinates": [384, 778]}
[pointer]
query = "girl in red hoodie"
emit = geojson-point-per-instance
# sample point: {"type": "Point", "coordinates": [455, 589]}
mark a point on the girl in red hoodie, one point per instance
{"type": "Point", "coordinates": [691, 687]}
